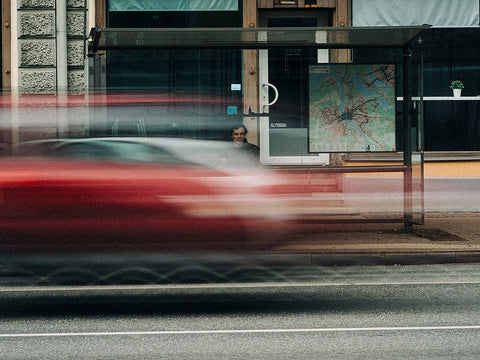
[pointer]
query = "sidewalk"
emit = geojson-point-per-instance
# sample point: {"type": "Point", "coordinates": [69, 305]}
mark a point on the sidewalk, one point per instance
{"type": "Point", "coordinates": [445, 238]}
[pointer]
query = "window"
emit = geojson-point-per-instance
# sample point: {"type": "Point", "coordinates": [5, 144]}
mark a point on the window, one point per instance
{"type": "Point", "coordinates": [195, 87]}
{"type": "Point", "coordinates": [448, 54]}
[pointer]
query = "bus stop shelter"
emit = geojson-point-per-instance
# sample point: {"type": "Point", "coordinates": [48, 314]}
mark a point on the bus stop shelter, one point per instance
{"type": "Point", "coordinates": [102, 39]}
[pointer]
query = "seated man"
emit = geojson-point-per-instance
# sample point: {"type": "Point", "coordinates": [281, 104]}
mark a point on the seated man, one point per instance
{"type": "Point", "coordinates": [238, 136]}
{"type": "Point", "coordinates": [242, 152]}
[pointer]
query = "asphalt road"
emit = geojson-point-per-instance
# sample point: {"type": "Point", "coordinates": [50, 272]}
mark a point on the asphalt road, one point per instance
{"type": "Point", "coordinates": [409, 312]}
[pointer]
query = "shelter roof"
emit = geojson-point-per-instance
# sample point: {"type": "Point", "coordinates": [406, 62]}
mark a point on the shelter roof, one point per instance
{"type": "Point", "coordinates": [253, 38]}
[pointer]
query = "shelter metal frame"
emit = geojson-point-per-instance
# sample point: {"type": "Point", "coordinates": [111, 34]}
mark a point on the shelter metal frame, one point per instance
{"type": "Point", "coordinates": [400, 37]}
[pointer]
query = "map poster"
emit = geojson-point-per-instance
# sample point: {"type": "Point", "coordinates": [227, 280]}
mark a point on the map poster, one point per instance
{"type": "Point", "coordinates": [351, 108]}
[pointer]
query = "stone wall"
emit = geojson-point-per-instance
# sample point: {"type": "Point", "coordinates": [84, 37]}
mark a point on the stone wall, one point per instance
{"type": "Point", "coordinates": [37, 46]}
{"type": "Point", "coordinates": [38, 69]}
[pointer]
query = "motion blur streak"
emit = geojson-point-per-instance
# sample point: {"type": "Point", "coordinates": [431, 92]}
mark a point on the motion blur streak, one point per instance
{"type": "Point", "coordinates": [138, 194]}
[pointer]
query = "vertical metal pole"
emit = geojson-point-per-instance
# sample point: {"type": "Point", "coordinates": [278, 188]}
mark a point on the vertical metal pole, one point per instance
{"type": "Point", "coordinates": [407, 151]}
{"type": "Point", "coordinates": [421, 147]}
{"type": "Point", "coordinates": [421, 136]}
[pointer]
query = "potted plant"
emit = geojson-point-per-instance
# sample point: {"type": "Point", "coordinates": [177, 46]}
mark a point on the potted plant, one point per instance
{"type": "Point", "coordinates": [457, 87]}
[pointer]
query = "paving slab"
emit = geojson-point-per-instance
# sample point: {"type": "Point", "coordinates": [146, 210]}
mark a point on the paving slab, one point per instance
{"type": "Point", "coordinates": [444, 238]}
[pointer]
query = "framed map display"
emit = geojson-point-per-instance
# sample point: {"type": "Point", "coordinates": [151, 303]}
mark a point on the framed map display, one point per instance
{"type": "Point", "coordinates": [351, 108]}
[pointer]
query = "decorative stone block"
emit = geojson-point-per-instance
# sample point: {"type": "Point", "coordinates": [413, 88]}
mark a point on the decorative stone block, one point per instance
{"type": "Point", "coordinates": [75, 23]}
{"type": "Point", "coordinates": [76, 81]}
{"type": "Point", "coordinates": [37, 81]}
{"type": "Point", "coordinates": [75, 4]}
{"type": "Point", "coordinates": [37, 53]}
{"type": "Point", "coordinates": [36, 23]}
{"type": "Point", "coordinates": [35, 4]}
{"type": "Point", "coordinates": [38, 131]}
{"type": "Point", "coordinates": [78, 130]}
{"type": "Point", "coordinates": [38, 115]}
{"type": "Point", "coordinates": [78, 119]}
{"type": "Point", "coordinates": [75, 53]}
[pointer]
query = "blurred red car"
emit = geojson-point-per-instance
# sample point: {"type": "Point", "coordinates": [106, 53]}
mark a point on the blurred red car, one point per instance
{"type": "Point", "coordinates": [135, 194]}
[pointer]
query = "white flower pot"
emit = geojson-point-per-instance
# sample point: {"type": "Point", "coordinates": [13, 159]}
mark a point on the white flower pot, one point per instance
{"type": "Point", "coordinates": [457, 92]}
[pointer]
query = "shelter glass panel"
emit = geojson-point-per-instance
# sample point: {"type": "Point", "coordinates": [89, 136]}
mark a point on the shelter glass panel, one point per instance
{"type": "Point", "coordinates": [448, 54]}
{"type": "Point", "coordinates": [176, 92]}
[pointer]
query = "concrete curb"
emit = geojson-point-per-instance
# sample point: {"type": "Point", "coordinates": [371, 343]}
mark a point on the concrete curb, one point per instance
{"type": "Point", "coordinates": [389, 259]}
{"type": "Point", "coordinates": [367, 258]}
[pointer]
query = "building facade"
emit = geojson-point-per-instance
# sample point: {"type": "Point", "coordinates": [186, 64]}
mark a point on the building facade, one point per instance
{"type": "Point", "coordinates": [201, 93]}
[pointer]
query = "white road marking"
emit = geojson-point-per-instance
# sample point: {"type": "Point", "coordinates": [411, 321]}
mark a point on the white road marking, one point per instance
{"type": "Point", "coordinates": [40, 289]}
{"type": "Point", "coordinates": [243, 331]}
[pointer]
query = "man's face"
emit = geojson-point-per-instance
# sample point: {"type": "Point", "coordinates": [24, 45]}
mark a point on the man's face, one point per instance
{"type": "Point", "coordinates": [238, 135]}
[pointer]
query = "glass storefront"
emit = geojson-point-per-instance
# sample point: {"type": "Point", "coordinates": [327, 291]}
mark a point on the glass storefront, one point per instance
{"type": "Point", "coordinates": [193, 93]}
{"type": "Point", "coordinates": [200, 92]}
{"type": "Point", "coordinates": [448, 54]}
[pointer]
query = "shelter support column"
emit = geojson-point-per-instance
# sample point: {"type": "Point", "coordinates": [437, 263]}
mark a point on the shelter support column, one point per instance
{"type": "Point", "coordinates": [407, 144]}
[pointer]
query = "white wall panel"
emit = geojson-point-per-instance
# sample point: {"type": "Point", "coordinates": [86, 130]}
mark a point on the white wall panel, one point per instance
{"type": "Point", "coordinates": [445, 13]}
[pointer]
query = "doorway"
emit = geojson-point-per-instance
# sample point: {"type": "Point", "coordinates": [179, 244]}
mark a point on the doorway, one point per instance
{"type": "Point", "coordinates": [285, 100]}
